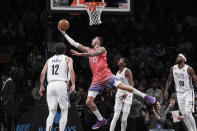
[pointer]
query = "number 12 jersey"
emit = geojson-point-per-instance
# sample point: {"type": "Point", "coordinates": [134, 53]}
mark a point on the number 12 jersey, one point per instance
{"type": "Point", "coordinates": [57, 69]}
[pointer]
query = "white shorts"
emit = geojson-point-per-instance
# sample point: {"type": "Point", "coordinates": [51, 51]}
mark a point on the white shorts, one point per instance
{"type": "Point", "coordinates": [93, 93]}
{"type": "Point", "coordinates": [186, 101]}
{"type": "Point", "coordinates": [57, 93]}
{"type": "Point", "coordinates": [123, 105]}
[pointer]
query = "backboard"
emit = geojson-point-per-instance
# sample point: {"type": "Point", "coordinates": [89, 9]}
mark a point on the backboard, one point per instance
{"type": "Point", "coordinates": [118, 6]}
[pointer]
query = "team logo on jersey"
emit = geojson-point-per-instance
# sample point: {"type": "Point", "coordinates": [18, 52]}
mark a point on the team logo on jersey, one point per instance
{"type": "Point", "coordinates": [179, 75]}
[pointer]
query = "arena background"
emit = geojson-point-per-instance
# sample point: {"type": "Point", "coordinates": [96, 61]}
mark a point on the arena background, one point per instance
{"type": "Point", "coordinates": [150, 37]}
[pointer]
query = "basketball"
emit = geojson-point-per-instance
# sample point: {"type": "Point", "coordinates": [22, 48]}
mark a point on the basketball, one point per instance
{"type": "Point", "coordinates": [64, 24]}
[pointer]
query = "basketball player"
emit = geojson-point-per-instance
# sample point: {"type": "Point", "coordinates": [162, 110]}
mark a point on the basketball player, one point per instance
{"type": "Point", "coordinates": [102, 76]}
{"type": "Point", "coordinates": [58, 68]}
{"type": "Point", "coordinates": [123, 98]}
{"type": "Point", "coordinates": [183, 75]}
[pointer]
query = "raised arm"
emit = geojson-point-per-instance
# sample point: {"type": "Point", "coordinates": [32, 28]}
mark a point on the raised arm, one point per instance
{"type": "Point", "coordinates": [73, 43]}
{"type": "Point", "coordinates": [168, 83]}
{"type": "Point", "coordinates": [100, 50]}
{"type": "Point", "coordinates": [72, 73]}
{"type": "Point", "coordinates": [42, 77]}
{"type": "Point", "coordinates": [193, 75]}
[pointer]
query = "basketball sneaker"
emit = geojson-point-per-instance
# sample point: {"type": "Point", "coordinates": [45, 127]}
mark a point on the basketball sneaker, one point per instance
{"type": "Point", "coordinates": [150, 99]}
{"type": "Point", "coordinates": [99, 124]}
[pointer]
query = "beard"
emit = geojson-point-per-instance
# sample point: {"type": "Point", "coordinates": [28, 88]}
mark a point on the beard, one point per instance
{"type": "Point", "coordinates": [179, 62]}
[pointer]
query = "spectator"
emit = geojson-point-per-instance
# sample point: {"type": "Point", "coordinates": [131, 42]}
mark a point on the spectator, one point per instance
{"type": "Point", "coordinates": [7, 100]}
{"type": "Point", "coordinates": [81, 96]}
{"type": "Point", "coordinates": [155, 91]}
{"type": "Point", "coordinates": [169, 124]}
{"type": "Point", "coordinates": [35, 92]}
{"type": "Point", "coordinates": [155, 117]}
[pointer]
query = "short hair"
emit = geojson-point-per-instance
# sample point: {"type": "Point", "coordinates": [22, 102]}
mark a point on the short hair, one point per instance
{"type": "Point", "coordinates": [5, 72]}
{"type": "Point", "coordinates": [60, 48]}
{"type": "Point", "coordinates": [101, 39]}
{"type": "Point", "coordinates": [126, 61]}
{"type": "Point", "coordinates": [172, 97]}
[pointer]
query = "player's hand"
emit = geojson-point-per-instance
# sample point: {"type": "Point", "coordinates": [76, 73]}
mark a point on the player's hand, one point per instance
{"type": "Point", "coordinates": [72, 88]}
{"type": "Point", "coordinates": [42, 89]}
{"type": "Point", "coordinates": [123, 97]}
{"type": "Point", "coordinates": [62, 32]}
{"type": "Point", "coordinates": [74, 52]}
{"type": "Point", "coordinates": [166, 94]}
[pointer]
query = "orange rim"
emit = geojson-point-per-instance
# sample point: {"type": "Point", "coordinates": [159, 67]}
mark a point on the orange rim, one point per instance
{"type": "Point", "coordinates": [93, 4]}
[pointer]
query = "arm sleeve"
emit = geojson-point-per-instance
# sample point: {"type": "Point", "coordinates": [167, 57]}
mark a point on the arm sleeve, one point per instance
{"type": "Point", "coordinates": [71, 41]}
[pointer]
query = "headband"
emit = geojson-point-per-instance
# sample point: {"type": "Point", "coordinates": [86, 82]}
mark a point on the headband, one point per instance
{"type": "Point", "coordinates": [181, 55]}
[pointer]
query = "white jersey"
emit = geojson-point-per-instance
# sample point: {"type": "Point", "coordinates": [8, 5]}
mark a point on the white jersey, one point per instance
{"type": "Point", "coordinates": [123, 79]}
{"type": "Point", "coordinates": [57, 69]}
{"type": "Point", "coordinates": [182, 79]}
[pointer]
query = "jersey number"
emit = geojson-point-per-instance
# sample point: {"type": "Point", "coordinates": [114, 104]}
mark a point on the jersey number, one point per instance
{"type": "Point", "coordinates": [181, 83]}
{"type": "Point", "coordinates": [55, 69]}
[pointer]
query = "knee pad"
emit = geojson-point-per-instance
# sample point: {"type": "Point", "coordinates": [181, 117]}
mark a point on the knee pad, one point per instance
{"type": "Point", "coordinates": [53, 112]}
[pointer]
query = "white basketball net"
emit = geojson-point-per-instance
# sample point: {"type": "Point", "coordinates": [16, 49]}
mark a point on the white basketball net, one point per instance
{"type": "Point", "coordinates": [94, 10]}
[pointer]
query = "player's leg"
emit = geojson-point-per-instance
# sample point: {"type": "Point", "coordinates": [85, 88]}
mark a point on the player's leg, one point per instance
{"type": "Point", "coordinates": [63, 103]}
{"type": "Point", "coordinates": [114, 120]}
{"type": "Point", "coordinates": [117, 110]}
{"type": "Point", "coordinates": [91, 105]}
{"type": "Point", "coordinates": [124, 121]}
{"type": "Point", "coordinates": [181, 104]}
{"type": "Point", "coordinates": [52, 102]}
{"type": "Point", "coordinates": [189, 106]}
{"type": "Point", "coordinates": [125, 112]}
{"type": "Point", "coordinates": [123, 86]}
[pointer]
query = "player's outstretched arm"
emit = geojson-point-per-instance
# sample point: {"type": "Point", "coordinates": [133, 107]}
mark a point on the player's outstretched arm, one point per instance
{"type": "Point", "coordinates": [168, 83]}
{"type": "Point", "coordinates": [73, 43]}
{"type": "Point", "coordinates": [99, 51]}
{"type": "Point", "coordinates": [42, 77]}
{"type": "Point", "coordinates": [72, 74]}
{"type": "Point", "coordinates": [193, 75]}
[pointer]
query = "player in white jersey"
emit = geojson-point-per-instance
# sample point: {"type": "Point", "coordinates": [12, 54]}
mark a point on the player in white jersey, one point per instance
{"type": "Point", "coordinates": [59, 69]}
{"type": "Point", "coordinates": [123, 99]}
{"type": "Point", "coordinates": [183, 75]}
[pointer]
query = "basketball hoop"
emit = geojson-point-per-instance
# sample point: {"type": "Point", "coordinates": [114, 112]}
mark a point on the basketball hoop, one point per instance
{"type": "Point", "coordinates": [94, 10]}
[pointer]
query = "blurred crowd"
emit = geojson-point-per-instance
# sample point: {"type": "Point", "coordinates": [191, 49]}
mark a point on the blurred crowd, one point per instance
{"type": "Point", "coordinates": [150, 39]}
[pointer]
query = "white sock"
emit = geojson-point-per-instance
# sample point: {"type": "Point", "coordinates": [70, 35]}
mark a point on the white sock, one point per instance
{"type": "Point", "coordinates": [114, 120]}
{"type": "Point", "coordinates": [124, 121]}
{"type": "Point", "coordinates": [135, 91]}
{"type": "Point", "coordinates": [98, 115]}
{"type": "Point", "coordinates": [63, 120]}
{"type": "Point", "coordinates": [50, 120]}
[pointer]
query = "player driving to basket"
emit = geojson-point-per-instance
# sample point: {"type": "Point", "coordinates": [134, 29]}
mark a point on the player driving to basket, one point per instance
{"type": "Point", "coordinates": [102, 75]}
